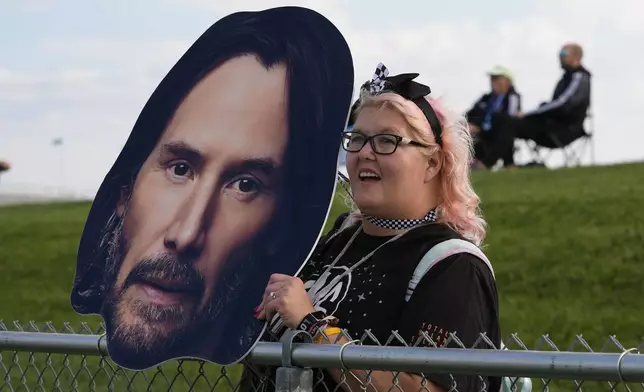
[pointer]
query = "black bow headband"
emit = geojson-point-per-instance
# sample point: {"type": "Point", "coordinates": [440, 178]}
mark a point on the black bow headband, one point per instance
{"type": "Point", "coordinates": [405, 86]}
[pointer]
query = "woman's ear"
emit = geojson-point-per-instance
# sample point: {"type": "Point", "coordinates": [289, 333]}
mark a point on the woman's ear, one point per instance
{"type": "Point", "coordinates": [434, 165]}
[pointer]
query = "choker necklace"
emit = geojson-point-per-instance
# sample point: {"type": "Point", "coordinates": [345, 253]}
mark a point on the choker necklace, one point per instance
{"type": "Point", "coordinates": [401, 224]}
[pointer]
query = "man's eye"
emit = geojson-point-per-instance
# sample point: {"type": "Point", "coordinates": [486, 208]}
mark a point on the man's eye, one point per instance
{"type": "Point", "coordinates": [180, 169]}
{"type": "Point", "coordinates": [246, 185]}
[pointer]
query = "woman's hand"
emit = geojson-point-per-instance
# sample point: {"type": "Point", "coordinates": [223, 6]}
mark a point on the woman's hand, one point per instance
{"type": "Point", "coordinates": [285, 295]}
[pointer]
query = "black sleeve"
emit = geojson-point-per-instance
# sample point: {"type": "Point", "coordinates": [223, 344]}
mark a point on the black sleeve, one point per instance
{"type": "Point", "coordinates": [577, 91]}
{"type": "Point", "coordinates": [457, 295]}
{"type": "Point", "coordinates": [475, 114]}
{"type": "Point", "coordinates": [581, 94]}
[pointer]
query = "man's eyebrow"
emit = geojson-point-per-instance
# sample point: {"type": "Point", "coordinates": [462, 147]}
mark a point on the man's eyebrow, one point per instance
{"type": "Point", "coordinates": [181, 149]}
{"type": "Point", "coordinates": [266, 165]}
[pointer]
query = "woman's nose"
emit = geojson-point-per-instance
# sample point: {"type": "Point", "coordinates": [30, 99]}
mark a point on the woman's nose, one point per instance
{"type": "Point", "coordinates": [366, 152]}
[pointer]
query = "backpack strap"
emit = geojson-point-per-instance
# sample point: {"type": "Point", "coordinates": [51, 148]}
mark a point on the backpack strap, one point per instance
{"type": "Point", "coordinates": [440, 252]}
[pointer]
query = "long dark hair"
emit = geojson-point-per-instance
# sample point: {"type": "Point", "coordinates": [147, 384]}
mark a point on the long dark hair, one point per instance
{"type": "Point", "coordinates": [320, 76]}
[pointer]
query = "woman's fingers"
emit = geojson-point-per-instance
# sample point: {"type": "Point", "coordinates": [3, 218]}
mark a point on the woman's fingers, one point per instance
{"type": "Point", "coordinates": [278, 286]}
{"type": "Point", "coordinates": [270, 293]}
{"type": "Point", "coordinates": [278, 278]}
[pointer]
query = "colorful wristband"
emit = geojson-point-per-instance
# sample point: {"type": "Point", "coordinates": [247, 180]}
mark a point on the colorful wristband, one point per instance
{"type": "Point", "coordinates": [313, 326]}
{"type": "Point", "coordinates": [328, 331]}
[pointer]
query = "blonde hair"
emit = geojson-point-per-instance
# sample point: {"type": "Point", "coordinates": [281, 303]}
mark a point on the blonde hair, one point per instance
{"type": "Point", "coordinates": [459, 204]}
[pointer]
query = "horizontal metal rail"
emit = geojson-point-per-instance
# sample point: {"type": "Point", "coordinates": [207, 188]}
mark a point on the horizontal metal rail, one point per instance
{"type": "Point", "coordinates": [627, 366]}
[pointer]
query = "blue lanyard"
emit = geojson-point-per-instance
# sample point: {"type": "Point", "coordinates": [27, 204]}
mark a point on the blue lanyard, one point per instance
{"type": "Point", "coordinates": [494, 107]}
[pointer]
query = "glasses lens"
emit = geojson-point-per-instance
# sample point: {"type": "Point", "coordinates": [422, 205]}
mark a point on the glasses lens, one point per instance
{"type": "Point", "coordinates": [353, 141]}
{"type": "Point", "coordinates": [385, 144]}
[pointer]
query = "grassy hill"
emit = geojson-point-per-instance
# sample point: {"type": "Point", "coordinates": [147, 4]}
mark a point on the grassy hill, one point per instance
{"type": "Point", "coordinates": [566, 245]}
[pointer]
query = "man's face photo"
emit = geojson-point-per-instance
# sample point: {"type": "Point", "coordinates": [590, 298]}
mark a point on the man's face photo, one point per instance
{"type": "Point", "coordinates": [205, 191]}
{"type": "Point", "coordinates": [227, 177]}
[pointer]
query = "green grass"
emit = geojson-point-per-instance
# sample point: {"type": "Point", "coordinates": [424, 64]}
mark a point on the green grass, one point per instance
{"type": "Point", "coordinates": [564, 244]}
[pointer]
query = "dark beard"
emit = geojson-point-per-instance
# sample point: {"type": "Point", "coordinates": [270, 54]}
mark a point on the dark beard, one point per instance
{"type": "Point", "coordinates": [199, 328]}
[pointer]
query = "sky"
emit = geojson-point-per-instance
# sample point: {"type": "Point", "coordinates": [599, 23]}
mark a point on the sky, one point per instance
{"type": "Point", "coordinates": [82, 70]}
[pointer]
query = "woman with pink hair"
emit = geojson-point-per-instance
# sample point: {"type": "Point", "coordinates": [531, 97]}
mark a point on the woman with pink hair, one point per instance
{"type": "Point", "coordinates": [408, 257]}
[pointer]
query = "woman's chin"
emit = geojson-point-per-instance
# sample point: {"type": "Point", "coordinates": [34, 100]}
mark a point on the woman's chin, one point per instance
{"type": "Point", "coordinates": [367, 204]}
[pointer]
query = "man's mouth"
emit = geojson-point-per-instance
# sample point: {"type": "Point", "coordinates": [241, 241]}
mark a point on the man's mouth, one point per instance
{"type": "Point", "coordinates": [165, 283]}
{"type": "Point", "coordinates": [368, 176]}
{"type": "Point", "coordinates": [164, 293]}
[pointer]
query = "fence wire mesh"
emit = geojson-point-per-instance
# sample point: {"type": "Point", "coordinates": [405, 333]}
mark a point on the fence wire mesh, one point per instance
{"type": "Point", "coordinates": [45, 371]}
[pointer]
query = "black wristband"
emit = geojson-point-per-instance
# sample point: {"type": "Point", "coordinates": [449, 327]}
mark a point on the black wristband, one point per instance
{"type": "Point", "coordinates": [312, 324]}
{"type": "Point", "coordinates": [310, 321]}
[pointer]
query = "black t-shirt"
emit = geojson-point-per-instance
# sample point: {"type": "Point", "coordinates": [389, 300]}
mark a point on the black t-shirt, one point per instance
{"type": "Point", "coordinates": [457, 295]}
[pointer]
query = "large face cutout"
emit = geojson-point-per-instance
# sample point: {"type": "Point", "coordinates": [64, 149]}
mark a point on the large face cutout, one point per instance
{"type": "Point", "coordinates": [226, 178]}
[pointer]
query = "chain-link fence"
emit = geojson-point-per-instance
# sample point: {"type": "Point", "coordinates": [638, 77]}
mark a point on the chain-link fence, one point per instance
{"type": "Point", "coordinates": [44, 358]}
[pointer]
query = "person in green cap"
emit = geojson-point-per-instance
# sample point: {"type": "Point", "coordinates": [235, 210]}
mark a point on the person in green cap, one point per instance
{"type": "Point", "coordinates": [487, 119]}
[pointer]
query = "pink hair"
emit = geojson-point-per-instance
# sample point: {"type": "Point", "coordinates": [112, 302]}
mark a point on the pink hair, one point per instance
{"type": "Point", "coordinates": [459, 205]}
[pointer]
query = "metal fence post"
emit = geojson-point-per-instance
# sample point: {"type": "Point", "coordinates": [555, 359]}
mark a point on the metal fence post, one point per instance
{"type": "Point", "coordinates": [289, 378]}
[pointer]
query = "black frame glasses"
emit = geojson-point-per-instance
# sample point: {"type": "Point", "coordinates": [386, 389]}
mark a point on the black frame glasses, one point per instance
{"type": "Point", "coordinates": [380, 143]}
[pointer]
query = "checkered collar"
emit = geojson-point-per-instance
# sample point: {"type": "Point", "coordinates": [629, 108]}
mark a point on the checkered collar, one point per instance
{"type": "Point", "coordinates": [401, 224]}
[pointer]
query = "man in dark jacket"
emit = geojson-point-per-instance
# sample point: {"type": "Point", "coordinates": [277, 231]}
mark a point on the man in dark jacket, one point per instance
{"type": "Point", "coordinates": [559, 122]}
{"type": "Point", "coordinates": [487, 119]}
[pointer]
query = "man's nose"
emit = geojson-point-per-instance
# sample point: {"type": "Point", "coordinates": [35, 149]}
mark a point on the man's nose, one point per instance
{"type": "Point", "coordinates": [188, 231]}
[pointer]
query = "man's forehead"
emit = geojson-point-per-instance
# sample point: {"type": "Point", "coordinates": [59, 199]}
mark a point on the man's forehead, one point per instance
{"type": "Point", "coordinates": [240, 84]}
{"type": "Point", "coordinates": [240, 114]}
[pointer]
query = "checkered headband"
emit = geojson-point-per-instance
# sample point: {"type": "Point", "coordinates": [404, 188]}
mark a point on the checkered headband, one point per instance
{"type": "Point", "coordinates": [405, 86]}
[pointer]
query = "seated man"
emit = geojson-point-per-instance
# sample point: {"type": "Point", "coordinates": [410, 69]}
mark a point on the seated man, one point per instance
{"type": "Point", "coordinates": [487, 120]}
{"type": "Point", "coordinates": [559, 122]}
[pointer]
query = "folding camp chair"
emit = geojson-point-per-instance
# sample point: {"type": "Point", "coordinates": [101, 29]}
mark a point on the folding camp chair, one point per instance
{"type": "Point", "coordinates": [573, 152]}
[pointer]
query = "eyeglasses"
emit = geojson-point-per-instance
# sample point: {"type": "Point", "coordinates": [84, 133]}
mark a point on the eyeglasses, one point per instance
{"type": "Point", "coordinates": [382, 143]}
